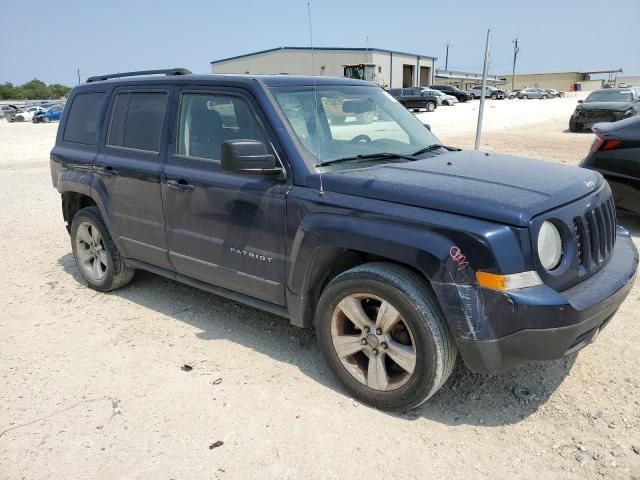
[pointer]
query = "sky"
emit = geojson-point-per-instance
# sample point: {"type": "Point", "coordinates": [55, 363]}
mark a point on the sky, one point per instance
{"type": "Point", "coordinates": [51, 40]}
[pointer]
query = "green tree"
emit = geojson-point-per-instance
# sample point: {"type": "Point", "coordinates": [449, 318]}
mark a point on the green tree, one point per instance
{"type": "Point", "coordinates": [35, 89]}
{"type": "Point", "coordinates": [57, 91]}
{"type": "Point", "coordinates": [7, 91]}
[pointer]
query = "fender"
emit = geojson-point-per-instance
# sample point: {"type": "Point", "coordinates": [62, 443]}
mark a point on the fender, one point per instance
{"type": "Point", "coordinates": [437, 252]}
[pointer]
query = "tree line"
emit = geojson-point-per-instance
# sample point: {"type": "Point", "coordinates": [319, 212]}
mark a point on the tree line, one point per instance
{"type": "Point", "coordinates": [33, 90]}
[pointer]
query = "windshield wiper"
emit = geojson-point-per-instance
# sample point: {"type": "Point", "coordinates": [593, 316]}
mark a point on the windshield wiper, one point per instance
{"type": "Point", "coordinates": [430, 148]}
{"type": "Point", "coordinates": [368, 156]}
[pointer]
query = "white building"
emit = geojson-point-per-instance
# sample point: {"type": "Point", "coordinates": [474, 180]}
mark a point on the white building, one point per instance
{"type": "Point", "coordinates": [385, 67]}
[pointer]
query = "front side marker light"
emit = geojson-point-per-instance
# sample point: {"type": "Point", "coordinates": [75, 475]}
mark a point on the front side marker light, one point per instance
{"type": "Point", "coordinates": [512, 281]}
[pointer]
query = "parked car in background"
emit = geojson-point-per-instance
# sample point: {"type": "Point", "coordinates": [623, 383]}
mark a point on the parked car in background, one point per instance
{"type": "Point", "coordinates": [606, 105]}
{"type": "Point", "coordinates": [414, 98]}
{"type": "Point", "coordinates": [532, 93]}
{"type": "Point", "coordinates": [623, 85]}
{"type": "Point", "coordinates": [511, 94]}
{"type": "Point", "coordinates": [49, 115]}
{"type": "Point", "coordinates": [461, 95]}
{"type": "Point", "coordinates": [443, 98]}
{"type": "Point", "coordinates": [490, 92]}
{"type": "Point", "coordinates": [25, 114]}
{"type": "Point", "coordinates": [551, 92]}
{"type": "Point", "coordinates": [7, 110]}
{"type": "Point", "coordinates": [615, 153]}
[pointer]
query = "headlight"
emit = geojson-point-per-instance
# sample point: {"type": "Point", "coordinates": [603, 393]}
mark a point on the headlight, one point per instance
{"type": "Point", "coordinates": [549, 246]}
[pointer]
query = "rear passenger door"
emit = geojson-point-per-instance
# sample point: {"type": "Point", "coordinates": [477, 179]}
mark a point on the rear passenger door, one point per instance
{"type": "Point", "coordinates": [223, 228]}
{"type": "Point", "coordinates": [128, 171]}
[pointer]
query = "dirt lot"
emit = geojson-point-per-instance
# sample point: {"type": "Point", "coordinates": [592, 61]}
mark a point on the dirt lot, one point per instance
{"type": "Point", "coordinates": [92, 385]}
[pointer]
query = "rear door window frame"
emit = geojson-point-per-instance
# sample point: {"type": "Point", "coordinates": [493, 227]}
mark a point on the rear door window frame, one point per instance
{"type": "Point", "coordinates": [163, 126]}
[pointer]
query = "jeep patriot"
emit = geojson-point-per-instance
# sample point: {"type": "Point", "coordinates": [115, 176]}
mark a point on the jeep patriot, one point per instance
{"type": "Point", "coordinates": [402, 253]}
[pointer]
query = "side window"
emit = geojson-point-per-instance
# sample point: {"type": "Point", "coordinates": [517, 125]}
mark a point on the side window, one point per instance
{"type": "Point", "coordinates": [136, 120]}
{"type": "Point", "coordinates": [208, 120]}
{"type": "Point", "coordinates": [83, 117]}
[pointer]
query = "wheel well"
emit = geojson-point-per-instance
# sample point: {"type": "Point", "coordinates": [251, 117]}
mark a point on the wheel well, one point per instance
{"type": "Point", "coordinates": [329, 262]}
{"type": "Point", "coordinates": [71, 203]}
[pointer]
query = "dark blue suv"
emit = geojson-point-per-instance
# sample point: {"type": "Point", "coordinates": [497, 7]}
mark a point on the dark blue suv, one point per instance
{"type": "Point", "coordinates": [402, 252]}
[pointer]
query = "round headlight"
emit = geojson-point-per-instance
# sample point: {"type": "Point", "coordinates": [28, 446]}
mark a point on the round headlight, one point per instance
{"type": "Point", "coordinates": [549, 246]}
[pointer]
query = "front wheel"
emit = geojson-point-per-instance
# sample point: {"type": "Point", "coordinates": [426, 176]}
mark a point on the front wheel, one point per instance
{"type": "Point", "coordinates": [97, 257]}
{"type": "Point", "coordinates": [380, 329]}
{"type": "Point", "coordinates": [544, 97]}
{"type": "Point", "coordinates": [494, 97]}
{"type": "Point", "coordinates": [431, 106]}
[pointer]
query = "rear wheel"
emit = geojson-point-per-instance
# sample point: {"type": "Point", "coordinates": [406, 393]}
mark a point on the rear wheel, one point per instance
{"type": "Point", "coordinates": [494, 97]}
{"type": "Point", "coordinates": [431, 106]}
{"type": "Point", "coordinates": [544, 97]}
{"type": "Point", "coordinates": [575, 126]}
{"type": "Point", "coordinates": [381, 330]}
{"type": "Point", "coordinates": [45, 119]}
{"type": "Point", "coordinates": [97, 257]}
{"type": "Point", "coordinates": [524, 97]}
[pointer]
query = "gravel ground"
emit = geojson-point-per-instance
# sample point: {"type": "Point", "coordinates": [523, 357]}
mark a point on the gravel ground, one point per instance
{"type": "Point", "coordinates": [92, 385]}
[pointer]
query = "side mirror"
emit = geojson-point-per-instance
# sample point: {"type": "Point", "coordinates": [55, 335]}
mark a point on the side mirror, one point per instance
{"type": "Point", "coordinates": [580, 101]}
{"type": "Point", "coordinates": [247, 156]}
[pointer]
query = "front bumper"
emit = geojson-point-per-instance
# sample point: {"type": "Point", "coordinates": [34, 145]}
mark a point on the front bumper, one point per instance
{"type": "Point", "coordinates": [552, 324]}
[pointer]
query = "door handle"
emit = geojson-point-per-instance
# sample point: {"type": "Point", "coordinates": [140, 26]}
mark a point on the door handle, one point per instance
{"type": "Point", "coordinates": [181, 185]}
{"type": "Point", "coordinates": [107, 170]}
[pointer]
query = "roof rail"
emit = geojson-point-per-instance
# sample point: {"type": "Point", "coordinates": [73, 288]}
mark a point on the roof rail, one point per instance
{"type": "Point", "coordinates": [167, 72]}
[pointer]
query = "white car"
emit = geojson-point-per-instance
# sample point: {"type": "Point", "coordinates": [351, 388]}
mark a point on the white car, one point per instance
{"type": "Point", "coordinates": [443, 98]}
{"type": "Point", "coordinates": [26, 114]}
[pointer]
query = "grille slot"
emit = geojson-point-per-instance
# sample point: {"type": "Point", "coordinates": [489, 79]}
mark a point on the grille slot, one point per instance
{"type": "Point", "coordinates": [595, 233]}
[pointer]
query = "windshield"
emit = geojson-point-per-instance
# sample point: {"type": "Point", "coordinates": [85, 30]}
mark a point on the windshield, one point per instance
{"type": "Point", "coordinates": [610, 96]}
{"type": "Point", "coordinates": [351, 120]}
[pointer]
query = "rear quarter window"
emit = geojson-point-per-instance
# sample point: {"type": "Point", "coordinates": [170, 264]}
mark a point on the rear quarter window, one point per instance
{"type": "Point", "coordinates": [137, 120]}
{"type": "Point", "coordinates": [83, 118]}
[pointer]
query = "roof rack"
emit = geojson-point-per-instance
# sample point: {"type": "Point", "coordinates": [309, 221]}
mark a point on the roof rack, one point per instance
{"type": "Point", "coordinates": [168, 72]}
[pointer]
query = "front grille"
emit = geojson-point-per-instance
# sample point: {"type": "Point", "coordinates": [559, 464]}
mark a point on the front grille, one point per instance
{"type": "Point", "coordinates": [595, 233]}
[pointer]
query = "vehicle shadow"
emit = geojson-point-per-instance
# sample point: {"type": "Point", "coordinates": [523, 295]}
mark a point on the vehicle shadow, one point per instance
{"type": "Point", "coordinates": [466, 398]}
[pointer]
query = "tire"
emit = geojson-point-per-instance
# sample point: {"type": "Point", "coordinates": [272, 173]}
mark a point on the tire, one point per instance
{"type": "Point", "coordinates": [575, 127]}
{"type": "Point", "coordinates": [45, 119]}
{"type": "Point", "coordinates": [101, 251]}
{"type": "Point", "coordinates": [419, 328]}
{"type": "Point", "coordinates": [524, 97]}
{"type": "Point", "coordinates": [431, 106]}
{"type": "Point", "coordinates": [494, 97]}
{"type": "Point", "coordinates": [544, 97]}
{"type": "Point", "coordinates": [473, 96]}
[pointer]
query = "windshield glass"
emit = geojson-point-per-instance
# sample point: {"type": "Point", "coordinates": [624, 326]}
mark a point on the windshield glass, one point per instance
{"type": "Point", "coordinates": [351, 120]}
{"type": "Point", "coordinates": [610, 96]}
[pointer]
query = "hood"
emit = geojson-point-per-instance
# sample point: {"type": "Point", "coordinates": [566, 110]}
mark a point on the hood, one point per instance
{"type": "Point", "coordinates": [501, 188]}
{"type": "Point", "coordinates": [615, 106]}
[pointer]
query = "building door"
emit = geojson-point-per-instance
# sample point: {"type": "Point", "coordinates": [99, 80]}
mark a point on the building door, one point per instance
{"type": "Point", "coordinates": [425, 76]}
{"type": "Point", "coordinates": [407, 76]}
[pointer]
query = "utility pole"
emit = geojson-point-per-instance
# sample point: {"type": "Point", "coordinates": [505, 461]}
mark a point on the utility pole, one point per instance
{"type": "Point", "coordinates": [446, 58]}
{"type": "Point", "coordinates": [484, 87]}
{"type": "Point", "coordinates": [515, 57]}
{"type": "Point", "coordinates": [78, 76]}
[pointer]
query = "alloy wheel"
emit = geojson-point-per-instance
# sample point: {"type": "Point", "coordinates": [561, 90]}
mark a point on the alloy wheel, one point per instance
{"type": "Point", "coordinates": [91, 253]}
{"type": "Point", "coordinates": [373, 342]}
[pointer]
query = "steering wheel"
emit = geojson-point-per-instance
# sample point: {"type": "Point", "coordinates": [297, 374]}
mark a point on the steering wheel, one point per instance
{"type": "Point", "coordinates": [360, 138]}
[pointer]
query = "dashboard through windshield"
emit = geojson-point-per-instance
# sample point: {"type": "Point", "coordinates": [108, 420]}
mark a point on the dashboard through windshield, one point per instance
{"type": "Point", "coordinates": [335, 122]}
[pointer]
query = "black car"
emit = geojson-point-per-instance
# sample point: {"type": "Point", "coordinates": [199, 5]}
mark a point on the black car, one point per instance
{"type": "Point", "coordinates": [606, 105]}
{"type": "Point", "coordinates": [461, 95]}
{"type": "Point", "coordinates": [615, 153]}
{"type": "Point", "coordinates": [400, 252]}
{"type": "Point", "coordinates": [415, 98]}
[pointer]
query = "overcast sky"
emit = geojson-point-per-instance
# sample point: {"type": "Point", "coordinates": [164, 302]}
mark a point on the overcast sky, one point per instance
{"type": "Point", "coordinates": [51, 39]}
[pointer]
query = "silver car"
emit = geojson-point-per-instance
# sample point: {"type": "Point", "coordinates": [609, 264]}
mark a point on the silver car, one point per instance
{"type": "Point", "coordinates": [532, 93]}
